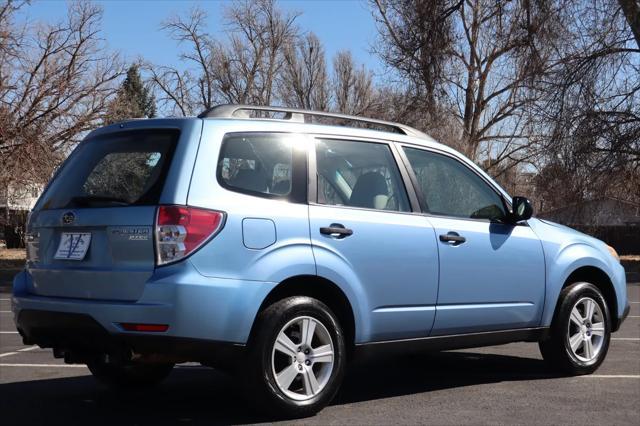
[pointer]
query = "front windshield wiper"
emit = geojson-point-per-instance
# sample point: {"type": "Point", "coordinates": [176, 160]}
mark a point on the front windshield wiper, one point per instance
{"type": "Point", "coordinates": [92, 200]}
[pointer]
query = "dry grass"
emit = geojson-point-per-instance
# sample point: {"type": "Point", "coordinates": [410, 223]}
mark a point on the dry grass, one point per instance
{"type": "Point", "coordinates": [12, 254]}
{"type": "Point", "coordinates": [630, 257]}
{"type": "Point", "coordinates": [11, 262]}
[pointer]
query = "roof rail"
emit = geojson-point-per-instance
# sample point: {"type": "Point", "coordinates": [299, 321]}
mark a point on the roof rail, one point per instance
{"type": "Point", "coordinates": [303, 116]}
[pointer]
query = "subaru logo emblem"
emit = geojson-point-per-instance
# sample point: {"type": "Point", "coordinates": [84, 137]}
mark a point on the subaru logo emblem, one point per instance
{"type": "Point", "coordinates": [68, 218]}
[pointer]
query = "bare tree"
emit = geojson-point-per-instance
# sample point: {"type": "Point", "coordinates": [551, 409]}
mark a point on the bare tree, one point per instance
{"type": "Point", "coordinates": [352, 86]}
{"type": "Point", "coordinates": [187, 92]}
{"type": "Point", "coordinates": [259, 32]}
{"type": "Point", "coordinates": [304, 82]}
{"type": "Point", "coordinates": [243, 69]}
{"type": "Point", "coordinates": [416, 40]}
{"type": "Point", "coordinates": [263, 61]}
{"type": "Point", "coordinates": [590, 117]}
{"type": "Point", "coordinates": [55, 84]}
{"type": "Point", "coordinates": [480, 60]}
{"type": "Point", "coordinates": [631, 9]}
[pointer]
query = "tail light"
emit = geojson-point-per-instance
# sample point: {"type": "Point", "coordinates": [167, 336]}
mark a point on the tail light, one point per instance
{"type": "Point", "coordinates": [180, 230]}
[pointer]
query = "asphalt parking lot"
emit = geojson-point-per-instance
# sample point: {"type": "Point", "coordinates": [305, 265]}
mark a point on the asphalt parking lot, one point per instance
{"type": "Point", "coordinates": [500, 384]}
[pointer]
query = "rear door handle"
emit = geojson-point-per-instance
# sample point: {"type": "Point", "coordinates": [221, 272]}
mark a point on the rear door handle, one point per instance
{"type": "Point", "coordinates": [336, 230]}
{"type": "Point", "coordinates": [453, 238]}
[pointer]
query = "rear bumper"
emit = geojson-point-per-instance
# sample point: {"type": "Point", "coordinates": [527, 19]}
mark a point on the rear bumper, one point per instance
{"type": "Point", "coordinates": [79, 335]}
{"type": "Point", "coordinates": [198, 310]}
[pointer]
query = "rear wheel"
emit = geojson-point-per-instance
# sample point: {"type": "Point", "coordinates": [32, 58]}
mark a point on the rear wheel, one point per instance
{"type": "Point", "coordinates": [580, 331]}
{"type": "Point", "coordinates": [129, 374]}
{"type": "Point", "coordinates": [296, 358]}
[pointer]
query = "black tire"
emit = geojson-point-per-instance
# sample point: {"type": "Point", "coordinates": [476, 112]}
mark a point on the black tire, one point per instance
{"type": "Point", "coordinates": [259, 371]}
{"type": "Point", "coordinates": [556, 348]}
{"type": "Point", "coordinates": [129, 375]}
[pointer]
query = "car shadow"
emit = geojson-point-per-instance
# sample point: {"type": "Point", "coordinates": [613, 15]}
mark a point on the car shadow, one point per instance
{"type": "Point", "coordinates": [412, 374]}
{"type": "Point", "coordinates": [205, 396]}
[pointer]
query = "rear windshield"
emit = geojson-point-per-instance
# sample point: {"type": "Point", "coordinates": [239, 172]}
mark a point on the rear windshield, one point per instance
{"type": "Point", "coordinates": [121, 169]}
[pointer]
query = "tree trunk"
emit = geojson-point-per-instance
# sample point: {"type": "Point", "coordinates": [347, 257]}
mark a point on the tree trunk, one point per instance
{"type": "Point", "coordinates": [631, 9]}
{"type": "Point", "coordinates": [6, 206]}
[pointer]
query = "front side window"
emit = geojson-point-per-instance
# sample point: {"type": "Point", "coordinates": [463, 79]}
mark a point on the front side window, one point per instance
{"type": "Point", "coordinates": [450, 188]}
{"type": "Point", "coordinates": [359, 174]}
{"type": "Point", "coordinates": [257, 163]}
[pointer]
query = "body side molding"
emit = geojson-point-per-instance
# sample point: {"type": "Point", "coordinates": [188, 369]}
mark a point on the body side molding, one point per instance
{"type": "Point", "coordinates": [449, 342]}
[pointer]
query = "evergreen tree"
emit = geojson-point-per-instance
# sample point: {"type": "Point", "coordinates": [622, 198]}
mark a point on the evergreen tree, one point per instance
{"type": "Point", "coordinates": [132, 101]}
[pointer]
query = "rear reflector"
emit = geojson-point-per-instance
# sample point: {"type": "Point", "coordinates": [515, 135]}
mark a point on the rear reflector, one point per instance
{"type": "Point", "coordinates": [127, 326]}
{"type": "Point", "coordinates": [180, 230]}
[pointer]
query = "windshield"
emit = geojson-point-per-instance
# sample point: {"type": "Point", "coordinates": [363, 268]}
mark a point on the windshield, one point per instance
{"type": "Point", "coordinates": [121, 169]}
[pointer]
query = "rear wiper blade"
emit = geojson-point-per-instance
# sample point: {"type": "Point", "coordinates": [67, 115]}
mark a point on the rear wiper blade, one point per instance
{"type": "Point", "coordinates": [88, 200]}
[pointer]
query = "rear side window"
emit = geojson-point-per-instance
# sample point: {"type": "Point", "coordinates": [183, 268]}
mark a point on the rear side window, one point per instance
{"type": "Point", "coordinates": [359, 174]}
{"type": "Point", "coordinates": [258, 164]}
{"type": "Point", "coordinates": [120, 169]}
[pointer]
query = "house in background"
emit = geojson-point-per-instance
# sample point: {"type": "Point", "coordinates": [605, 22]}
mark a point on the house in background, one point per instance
{"type": "Point", "coordinates": [15, 203]}
{"type": "Point", "coordinates": [18, 198]}
{"type": "Point", "coordinates": [615, 221]}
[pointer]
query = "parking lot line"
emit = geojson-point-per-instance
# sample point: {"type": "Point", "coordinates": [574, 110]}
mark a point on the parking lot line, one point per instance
{"type": "Point", "coordinates": [4, 300]}
{"type": "Point", "coordinates": [614, 376]}
{"type": "Point", "coordinates": [5, 312]}
{"type": "Point", "coordinates": [30, 348]}
{"type": "Point", "coordinates": [181, 367]}
{"type": "Point", "coordinates": [8, 332]}
{"type": "Point", "coordinates": [45, 365]}
{"type": "Point", "coordinates": [625, 338]}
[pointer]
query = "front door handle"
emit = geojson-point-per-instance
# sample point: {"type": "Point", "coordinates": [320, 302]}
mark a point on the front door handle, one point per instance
{"type": "Point", "coordinates": [336, 230]}
{"type": "Point", "coordinates": [453, 238]}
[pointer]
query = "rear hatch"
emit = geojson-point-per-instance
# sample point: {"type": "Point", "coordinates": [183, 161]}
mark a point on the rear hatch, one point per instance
{"type": "Point", "coordinates": [91, 233]}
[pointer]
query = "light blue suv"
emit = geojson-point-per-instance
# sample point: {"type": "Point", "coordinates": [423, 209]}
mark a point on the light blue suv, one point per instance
{"type": "Point", "coordinates": [268, 242]}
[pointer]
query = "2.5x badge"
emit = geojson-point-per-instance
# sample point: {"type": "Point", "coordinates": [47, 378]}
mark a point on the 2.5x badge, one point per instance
{"type": "Point", "coordinates": [132, 233]}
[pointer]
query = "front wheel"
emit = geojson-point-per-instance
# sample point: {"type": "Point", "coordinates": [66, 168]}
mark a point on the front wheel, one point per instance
{"type": "Point", "coordinates": [580, 332]}
{"type": "Point", "coordinates": [296, 358]}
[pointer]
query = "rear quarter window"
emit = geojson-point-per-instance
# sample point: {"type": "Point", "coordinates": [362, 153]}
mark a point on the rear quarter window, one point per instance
{"type": "Point", "coordinates": [263, 164]}
{"type": "Point", "coordinates": [120, 169]}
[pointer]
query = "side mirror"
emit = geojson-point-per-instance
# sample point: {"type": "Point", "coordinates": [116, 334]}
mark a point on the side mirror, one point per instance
{"type": "Point", "coordinates": [522, 209]}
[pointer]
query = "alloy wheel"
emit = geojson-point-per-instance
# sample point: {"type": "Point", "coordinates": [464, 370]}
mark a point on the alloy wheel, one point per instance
{"type": "Point", "coordinates": [302, 358]}
{"type": "Point", "coordinates": [586, 329]}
